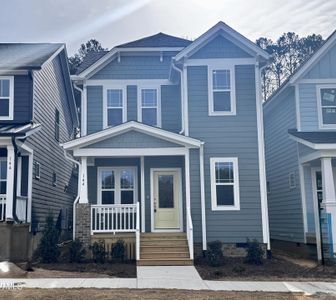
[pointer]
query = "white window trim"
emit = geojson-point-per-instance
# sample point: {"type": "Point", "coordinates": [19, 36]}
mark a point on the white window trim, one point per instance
{"type": "Point", "coordinates": [117, 189]}
{"type": "Point", "coordinates": [319, 105]}
{"type": "Point", "coordinates": [5, 160]}
{"type": "Point", "coordinates": [139, 106]}
{"type": "Point", "coordinates": [214, 206]}
{"type": "Point", "coordinates": [211, 68]}
{"type": "Point", "coordinates": [124, 101]}
{"type": "Point", "coordinates": [11, 98]}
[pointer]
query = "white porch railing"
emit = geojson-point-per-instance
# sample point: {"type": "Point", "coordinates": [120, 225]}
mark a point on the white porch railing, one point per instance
{"type": "Point", "coordinates": [21, 208]}
{"type": "Point", "coordinates": [2, 207]}
{"type": "Point", "coordinates": [117, 218]}
{"type": "Point", "coordinates": [190, 234]}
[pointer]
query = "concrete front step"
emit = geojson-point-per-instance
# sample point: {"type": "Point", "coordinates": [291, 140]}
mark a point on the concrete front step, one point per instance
{"type": "Point", "coordinates": [165, 262]}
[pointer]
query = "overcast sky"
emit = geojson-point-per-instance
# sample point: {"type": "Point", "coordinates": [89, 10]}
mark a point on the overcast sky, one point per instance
{"type": "Point", "coordinates": [113, 22]}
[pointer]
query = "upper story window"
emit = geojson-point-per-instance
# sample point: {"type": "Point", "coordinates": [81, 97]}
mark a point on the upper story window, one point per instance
{"type": "Point", "coordinates": [327, 106]}
{"type": "Point", "coordinates": [6, 97]}
{"type": "Point", "coordinates": [149, 110]}
{"type": "Point", "coordinates": [222, 99]}
{"type": "Point", "coordinates": [57, 125]}
{"type": "Point", "coordinates": [224, 183]}
{"type": "Point", "coordinates": [115, 111]}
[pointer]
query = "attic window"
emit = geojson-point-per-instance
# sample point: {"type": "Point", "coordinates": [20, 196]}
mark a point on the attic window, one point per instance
{"type": "Point", "coordinates": [6, 97]}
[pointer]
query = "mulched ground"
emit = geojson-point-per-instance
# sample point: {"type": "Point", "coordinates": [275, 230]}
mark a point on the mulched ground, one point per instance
{"type": "Point", "coordinates": [272, 269]}
{"type": "Point", "coordinates": [124, 294]}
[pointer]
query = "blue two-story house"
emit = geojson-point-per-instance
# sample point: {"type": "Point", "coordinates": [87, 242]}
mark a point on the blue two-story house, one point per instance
{"type": "Point", "coordinates": [171, 146]}
{"type": "Point", "coordinates": [300, 136]}
{"type": "Point", "coordinates": [37, 112]}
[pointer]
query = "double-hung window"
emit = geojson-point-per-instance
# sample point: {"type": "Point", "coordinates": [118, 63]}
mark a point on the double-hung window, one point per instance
{"type": "Point", "coordinates": [6, 97]}
{"type": "Point", "coordinates": [149, 106]}
{"type": "Point", "coordinates": [326, 96]}
{"type": "Point", "coordinates": [115, 107]}
{"type": "Point", "coordinates": [117, 185]}
{"type": "Point", "coordinates": [222, 100]}
{"type": "Point", "coordinates": [3, 176]}
{"type": "Point", "coordinates": [224, 183]}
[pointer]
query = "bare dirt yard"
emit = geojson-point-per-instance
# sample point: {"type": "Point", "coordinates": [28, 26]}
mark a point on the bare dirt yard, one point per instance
{"type": "Point", "coordinates": [123, 294]}
{"type": "Point", "coordinates": [275, 269]}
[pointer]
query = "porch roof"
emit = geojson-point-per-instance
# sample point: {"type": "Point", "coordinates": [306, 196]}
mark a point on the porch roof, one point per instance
{"type": "Point", "coordinates": [315, 139]}
{"type": "Point", "coordinates": [18, 130]}
{"type": "Point", "coordinates": [129, 126]}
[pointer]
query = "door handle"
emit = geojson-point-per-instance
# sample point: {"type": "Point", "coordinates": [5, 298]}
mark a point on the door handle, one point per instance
{"type": "Point", "coordinates": [155, 205]}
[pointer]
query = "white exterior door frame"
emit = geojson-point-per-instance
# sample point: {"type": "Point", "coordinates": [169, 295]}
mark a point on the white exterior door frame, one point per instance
{"type": "Point", "coordinates": [152, 171]}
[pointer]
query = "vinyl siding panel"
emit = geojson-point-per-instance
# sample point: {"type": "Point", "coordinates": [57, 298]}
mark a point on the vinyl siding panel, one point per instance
{"type": "Point", "coordinates": [132, 114]}
{"type": "Point", "coordinates": [94, 109]}
{"type": "Point", "coordinates": [285, 206]}
{"type": "Point", "coordinates": [49, 95]}
{"type": "Point", "coordinates": [171, 107]}
{"type": "Point", "coordinates": [220, 47]}
{"type": "Point", "coordinates": [227, 136]}
{"type": "Point", "coordinates": [308, 107]}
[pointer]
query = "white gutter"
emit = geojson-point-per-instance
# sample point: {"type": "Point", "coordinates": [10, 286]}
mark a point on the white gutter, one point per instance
{"type": "Point", "coordinates": [77, 198]}
{"type": "Point", "coordinates": [182, 93]}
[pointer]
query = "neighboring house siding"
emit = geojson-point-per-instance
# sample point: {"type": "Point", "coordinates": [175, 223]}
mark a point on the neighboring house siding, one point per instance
{"type": "Point", "coordinates": [50, 94]}
{"type": "Point", "coordinates": [22, 100]}
{"type": "Point", "coordinates": [220, 47]}
{"type": "Point", "coordinates": [228, 136]}
{"type": "Point", "coordinates": [285, 207]}
{"type": "Point", "coordinates": [133, 139]}
{"type": "Point", "coordinates": [136, 67]}
{"type": "Point", "coordinates": [94, 109]}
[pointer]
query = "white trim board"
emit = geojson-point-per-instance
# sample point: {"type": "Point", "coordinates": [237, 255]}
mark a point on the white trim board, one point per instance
{"type": "Point", "coordinates": [126, 82]}
{"type": "Point", "coordinates": [331, 146]}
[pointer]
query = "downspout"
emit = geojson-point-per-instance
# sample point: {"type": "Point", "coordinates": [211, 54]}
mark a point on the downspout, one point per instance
{"type": "Point", "coordinates": [77, 197]}
{"type": "Point", "coordinates": [16, 219]}
{"type": "Point", "coordinates": [81, 109]}
{"type": "Point", "coordinates": [182, 93]}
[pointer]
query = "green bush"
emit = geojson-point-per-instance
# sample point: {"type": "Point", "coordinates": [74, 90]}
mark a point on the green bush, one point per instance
{"type": "Point", "coordinates": [47, 250]}
{"type": "Point", "coordinates": [76, 251]}
{"type": "Point", "coordinates": [98, 252]}
{"type": "Point", "coordinates": [214, 254]}
{"type": "Point", "coordinates": [118, 250]}
{"type": "Point", "coordinates": [255, 253]}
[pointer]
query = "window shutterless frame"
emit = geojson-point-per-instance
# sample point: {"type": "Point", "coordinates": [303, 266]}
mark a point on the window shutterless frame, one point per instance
{"type": "Point", "coordinates": [106, 107]}
{"type": "Point", "coordinates": [320, 107]}
{"type": "Point", "coordinates": [212, 90]}
{"type": "Point", "coordinates": [8, 96]}
{"type": "Point", "coordinates": [235, 183]}
{"type": "Point", "coordinates": [158, 103]}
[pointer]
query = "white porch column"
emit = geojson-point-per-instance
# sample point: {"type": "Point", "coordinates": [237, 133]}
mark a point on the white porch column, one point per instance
{"type": "Point", "coordinates": [329, 195]}
{"type": "Point", "coordinates": [142, 194]}
{"type": "Point", "coordinates": [187, 178]}
{"type": "Point", "coordinates": [10, 182]}
{"type": "Point", "coordinates": [30, 186]}
{"type": "Point", "coordinates": [83, 193]}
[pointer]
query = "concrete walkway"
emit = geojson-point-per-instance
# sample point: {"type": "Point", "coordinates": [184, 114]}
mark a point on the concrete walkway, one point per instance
{"type": "Point", "coordinates": [173, 278]}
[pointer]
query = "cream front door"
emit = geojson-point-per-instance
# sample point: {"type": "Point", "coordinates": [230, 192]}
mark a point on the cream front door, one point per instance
{"type": "Point", "coordinates": [166, 199]}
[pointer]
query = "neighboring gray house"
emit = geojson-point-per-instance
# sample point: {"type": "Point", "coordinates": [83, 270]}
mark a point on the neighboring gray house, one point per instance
{"type": "Point", "coordinates": [37, 112]}
{"type": "Point", "coordinates": [172, 146]}
{"type": "Point", "coordinates": [300, 139]}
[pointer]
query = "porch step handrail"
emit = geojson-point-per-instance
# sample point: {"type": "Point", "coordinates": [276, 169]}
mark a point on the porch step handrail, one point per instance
{"type": "Point", "coordinates": [190, 234]}
{"type": "Point", "coordinates": [2, 207]}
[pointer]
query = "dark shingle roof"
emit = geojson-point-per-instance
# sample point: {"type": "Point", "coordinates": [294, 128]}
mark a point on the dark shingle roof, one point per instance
{"type": "Point", "coordinates": [89, 60]}
{"type": "Point", "coordinates": [17, 130]}
{"type": "Point", "coordinates": [317, 137]}
{"type": "Point", "coordinates": [25, 56]}
{"type": "Point", "coordinates": [157, 40]}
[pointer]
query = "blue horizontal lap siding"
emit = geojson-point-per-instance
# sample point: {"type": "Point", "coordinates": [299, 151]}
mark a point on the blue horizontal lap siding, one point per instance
{"type": "Point", "coordinates": [94, 109]}
{"type": "Point", "coordinates": [284, 203]}
{"type": "Point", "coordinates": [171, 107]}
{"type": "Point", "coordinates": [220, 47]}
{"type": "Point", "coordinates": [308, 107]}
{"type": "Point", "coordinates": [227, 136]}
{"type": "Point", "coordinates": [132, 113]}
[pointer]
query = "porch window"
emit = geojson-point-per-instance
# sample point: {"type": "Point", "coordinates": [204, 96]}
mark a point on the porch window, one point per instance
{"type": "Point", "coordinates": [221, 92]}
{"type": "Point", "coordinates": [6, 97]}
{"type": "Point", "coordinates": [3, 176]}
{"type": "Point", "coordinates": [149, 107]}
{"type": "Point", "coordinates": [224, 183]}
{"type": "Point", "coordinates": [327, 105]}
{"type": "Point", "coordinates": [115, 107]}
{"type": "Point", "coordinates": [117, 185]}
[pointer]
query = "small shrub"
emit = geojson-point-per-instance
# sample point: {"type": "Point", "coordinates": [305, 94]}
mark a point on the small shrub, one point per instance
{"type": "Point", "coordinates": [47, 249]}
{"type": "Point", "coordinates": [118, 250]}
{"type": "Point", "coordinates": [76, 251]}
{"type": "Point", "coordinates": [255, 253]}
{"type": "Point", "coordinates": [98, 252]}
{"type": "Point", "coordinates": [214, 254]}
{"type": "Point", "coordinates": [238, 269]}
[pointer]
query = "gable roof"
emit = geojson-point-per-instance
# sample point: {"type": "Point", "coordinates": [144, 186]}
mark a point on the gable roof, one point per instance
{"type": "Point", "coordinates": [23, 56]}
{"type": "Point", "coordinates": [158, 40]}
{"type": "Point", "coordinates": [305, 66]}
{"type": "Point", "coordinates": [89, 60]}
{"type": "Point", "coordinates": [218, 28]}
{"type": "Point", "coordinates": [128, 126]}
